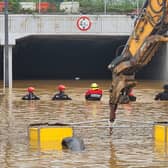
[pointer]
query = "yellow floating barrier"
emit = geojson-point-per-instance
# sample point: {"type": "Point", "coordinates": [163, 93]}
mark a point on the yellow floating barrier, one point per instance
{"type": "Point", "coordinates": [161, 138]}
{"type": "Point", "coordinates": [48, 136]}
{"type": "Point", "coordinates": [161, 132]}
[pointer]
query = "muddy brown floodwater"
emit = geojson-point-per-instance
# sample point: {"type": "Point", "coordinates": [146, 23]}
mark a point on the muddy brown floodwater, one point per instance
{"type": "Point", "coordinates": [131, 144]}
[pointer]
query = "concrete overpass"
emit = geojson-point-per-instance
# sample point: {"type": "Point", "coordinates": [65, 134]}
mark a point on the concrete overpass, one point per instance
{"type": "Point", "coordinates": [32, 25]}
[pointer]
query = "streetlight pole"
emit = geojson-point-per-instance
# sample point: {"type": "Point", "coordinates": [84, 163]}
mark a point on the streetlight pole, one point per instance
{"type": "Point", "coordinates": [105, 7]}
{"type": "Point", "coordinates": [72, 5]}
{"type": "Point", "coordinates": [137, 11]}
{"type": "Point", "coordinates": [6, 46]}
{"type": "Point", "coordinates": [39, 6]}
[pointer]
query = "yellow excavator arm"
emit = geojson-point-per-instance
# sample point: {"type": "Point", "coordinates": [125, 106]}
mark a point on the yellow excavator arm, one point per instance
{"type": "Point", "coordinates": [150, 30]}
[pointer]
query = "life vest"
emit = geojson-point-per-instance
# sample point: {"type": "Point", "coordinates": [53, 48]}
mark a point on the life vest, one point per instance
{"type": "Point", "coordinates": [93, 94]}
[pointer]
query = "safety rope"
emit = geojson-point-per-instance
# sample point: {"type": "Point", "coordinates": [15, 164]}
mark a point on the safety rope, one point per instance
{"type": "Point", "coordinates": [90, 126]}
{"type": "Point", "coordinates": [110, 125]}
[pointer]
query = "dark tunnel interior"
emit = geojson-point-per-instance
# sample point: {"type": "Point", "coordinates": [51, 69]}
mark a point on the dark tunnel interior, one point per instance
{"type": "Point", "coordinates": [67, 57]}
{"type": "Point", "coordinates": [64, 57]}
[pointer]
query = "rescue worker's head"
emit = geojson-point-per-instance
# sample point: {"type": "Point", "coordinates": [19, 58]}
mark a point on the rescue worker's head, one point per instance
{"type": "Point", "coordinates": [94, 86]}
{"type": "Point", "coordinates": [61, 88]}
{"type": "Point", "coordinates": [30, 89]}
{"type": "Point", "coordinates": [165, 87]}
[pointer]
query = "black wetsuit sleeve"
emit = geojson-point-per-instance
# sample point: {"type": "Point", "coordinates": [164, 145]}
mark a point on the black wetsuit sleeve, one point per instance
{"type": "Point", "coordinates": [53, 98]}
{"type": "Point", "coordinates": [36, 98]}
{"type": "Point", "coordinates": [66, 97]}
{"type": "Point", "coordinates": [69, 98]}
{"type": "Point", "coordinates": [87, 96]}
{"type": "Point", "coordinates": [26, 97]}
{"type": "Point", "coordinates": [132, 98]}
{"type": "Point", "coordinates": [157, 97]}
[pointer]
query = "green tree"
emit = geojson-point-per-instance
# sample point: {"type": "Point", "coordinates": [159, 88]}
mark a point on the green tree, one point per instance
{"type": "Point", "coordinates": [14, 6]}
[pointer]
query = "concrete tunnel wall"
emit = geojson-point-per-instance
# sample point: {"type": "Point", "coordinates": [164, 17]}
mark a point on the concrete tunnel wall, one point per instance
{"type": "Point", "coordinates": [66, 57]}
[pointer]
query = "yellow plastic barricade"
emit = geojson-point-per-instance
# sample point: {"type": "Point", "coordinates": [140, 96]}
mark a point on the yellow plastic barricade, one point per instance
{"type": "Point", "coordinates": [161, 138]}
{"type": "Point", "coordinates": [48, 136]}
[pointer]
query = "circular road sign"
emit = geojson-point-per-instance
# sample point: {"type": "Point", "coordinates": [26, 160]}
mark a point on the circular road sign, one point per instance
{"type": "Point", "coordinates": [84, 23]}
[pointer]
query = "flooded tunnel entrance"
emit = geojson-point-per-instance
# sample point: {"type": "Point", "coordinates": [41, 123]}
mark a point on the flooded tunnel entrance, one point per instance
{"type": "Point", "coordinates": [67, 57]}
{"type": "Point", "coordinates": [64, 57]}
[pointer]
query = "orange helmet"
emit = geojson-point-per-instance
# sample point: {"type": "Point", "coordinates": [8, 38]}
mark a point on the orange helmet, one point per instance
{"type": "Point", "coordinates": [31, 89]}
{"type": "Point", "coordinates": [61, 87]}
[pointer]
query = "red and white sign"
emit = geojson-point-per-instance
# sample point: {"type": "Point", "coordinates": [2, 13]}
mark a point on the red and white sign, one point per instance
{"type": "Point", "coordinates": [84, 23]}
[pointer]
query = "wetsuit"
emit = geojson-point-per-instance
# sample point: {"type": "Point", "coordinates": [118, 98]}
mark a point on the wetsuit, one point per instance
{"type": "Point", "coordinates": [162, 96]}
{"type": "Point", "coordinates": [131, 96]}
{"type": "Point", "coordinates": [30, 96]}
{"type": "Point", "coordinates": [61, 96]}
{"type": "Point", "coordinates": [93, 94]}
{"type": "Point", "coordinates": [126, 96]}
{"type": "Point", "coordinates": [124, 99]}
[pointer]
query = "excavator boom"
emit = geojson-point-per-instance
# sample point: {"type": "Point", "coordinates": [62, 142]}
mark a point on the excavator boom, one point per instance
{"type": "Point", "coordinates": [149, 31]}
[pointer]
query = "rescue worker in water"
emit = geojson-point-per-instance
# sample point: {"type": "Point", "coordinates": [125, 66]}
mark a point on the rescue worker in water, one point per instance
{"type": "Point", "coordinates": [162, 95]}
{"type": "Point", "coordinates": [94, 93]}
{"type": "Point", "coordinates": [30, 95]}
{"type": "Point", "coordinates": [126, 96]}
{"type": "Point", "coordinates": [131, 95]}
{"type": "Point", "coordinates": [61, 95]}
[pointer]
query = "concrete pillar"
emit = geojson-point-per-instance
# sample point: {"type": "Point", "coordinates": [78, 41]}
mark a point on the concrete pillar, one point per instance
{"type": "Point", "coordinates": [7, 75]}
